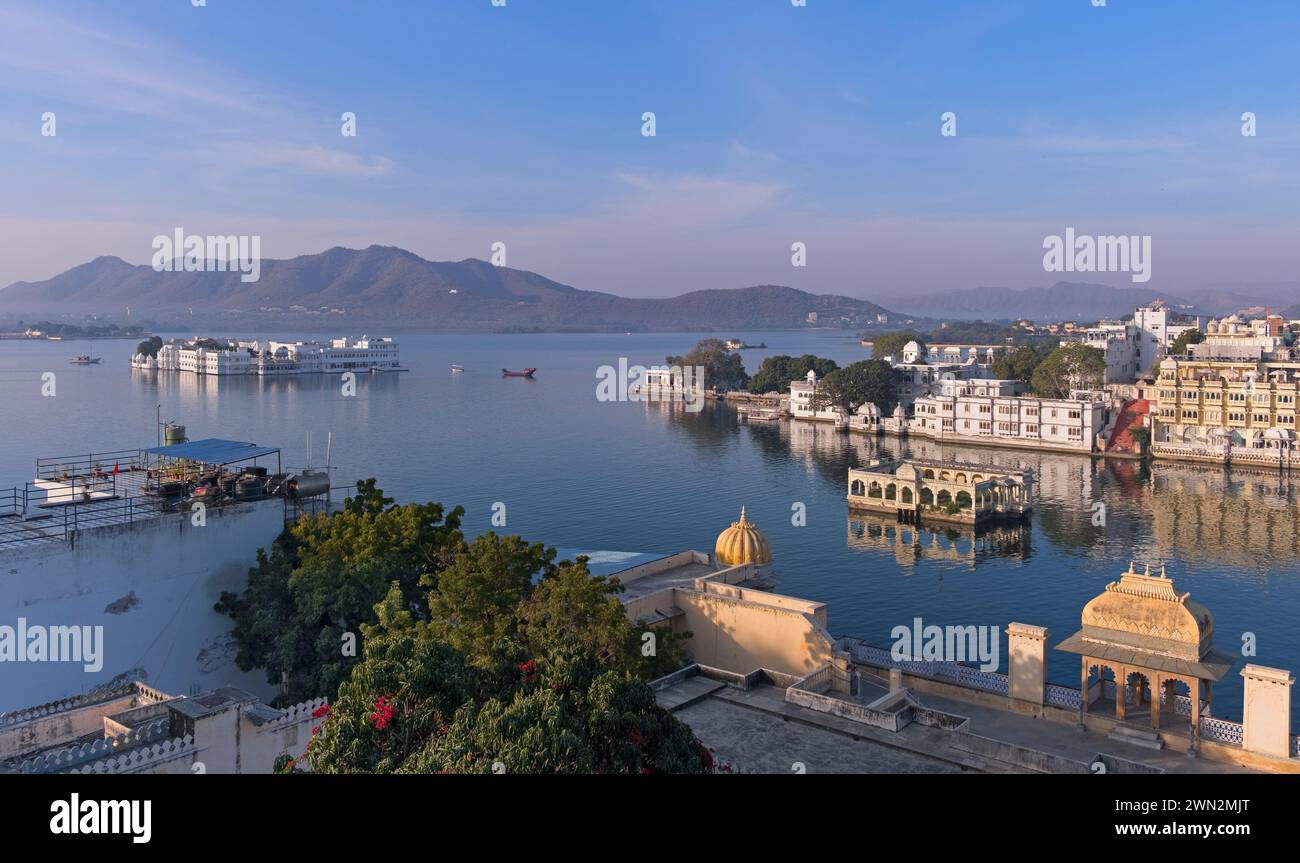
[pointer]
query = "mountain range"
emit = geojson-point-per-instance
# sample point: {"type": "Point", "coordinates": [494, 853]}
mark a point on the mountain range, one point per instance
{"type": "Point", "coordinates": [389, 285]}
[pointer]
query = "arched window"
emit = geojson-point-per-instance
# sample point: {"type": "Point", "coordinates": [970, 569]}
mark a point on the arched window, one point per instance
{"type": "Point", "coordinates": [891, 492]}
{"type": "Point", "coordinates": [961, 478]}
{"type": "Point", "coordinates": [873, 490]}
{"type": "Point", "coordinates": [858, 488]}
{"type": "Point", "coordinates": [927, 497]}
{"type": "Point", "coordinates": [944, 498]}
{"type": "Point", "coordinates": [963, 500]}
{"type": "Point", "coordinates": [907, 495]}
{"type": "Point", "coordinates": [928, 473]}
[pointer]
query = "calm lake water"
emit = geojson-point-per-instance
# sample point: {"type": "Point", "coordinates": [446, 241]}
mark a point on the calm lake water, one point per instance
{"type": "Point", "coordinates": [579, 473]}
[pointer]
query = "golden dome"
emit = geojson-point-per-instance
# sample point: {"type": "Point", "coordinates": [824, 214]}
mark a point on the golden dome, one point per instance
{"type": "Point", "coordinates": [1144, 612]}
{"type": "Point", "coordinates": [743, 542]}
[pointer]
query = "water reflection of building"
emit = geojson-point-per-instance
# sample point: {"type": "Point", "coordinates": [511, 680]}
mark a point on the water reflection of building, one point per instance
{"type": "Point", "coordinates": [957, 543]}
{"type": "Point", "coordinates": [1212, 515]}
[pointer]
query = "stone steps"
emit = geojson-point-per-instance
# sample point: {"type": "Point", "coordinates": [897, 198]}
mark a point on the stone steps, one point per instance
{"type": "Point", "coordinates": [1145, 737]}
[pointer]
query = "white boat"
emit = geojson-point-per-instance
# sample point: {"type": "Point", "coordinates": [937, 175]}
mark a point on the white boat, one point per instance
{"type": "Point", "coordinates": [85, 360]}
{"type": "Point", "coordinates": [457, 369]}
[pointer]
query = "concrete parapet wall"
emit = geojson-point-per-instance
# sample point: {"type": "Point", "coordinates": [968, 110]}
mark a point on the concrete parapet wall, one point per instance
{"type": "Point", "coordinates": [663, 564]}
{"type": "Point", "coordinates": [738, 634]}
{"type": "Point", "coordinates": [177, 755]}
{"type": "Point", "coordinates": [1010, 753]}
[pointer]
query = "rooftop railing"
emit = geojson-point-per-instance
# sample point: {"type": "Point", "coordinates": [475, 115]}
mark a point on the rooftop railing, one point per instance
{"type": "Point", "coordinates": [23, 520]}
{"type": "Point", "coordinates": [88, 465]}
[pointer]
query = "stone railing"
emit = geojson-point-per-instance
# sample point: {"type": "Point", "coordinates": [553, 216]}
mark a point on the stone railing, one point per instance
{"type": "Point", "coordinates": [64, 760]}
{"type": "Point", "coordinates": [300, 712]}
{"type": "Point", "coordinates": [950, 672]}
{"type": "Point", "coordinates": [107, 692]}
{"type": "Point", "coordinates": [63, 705]}
{"type": "Point", "coordinates": [1228, 454]}
{"type": "Point", "coordinates": [1062, 696]}
{"type": "Point", "coordinates": [1223, 731]}
{"type": "Point", "coordinates": [146, 757]}
{"type": "Point", "coordinates": [810, 692]}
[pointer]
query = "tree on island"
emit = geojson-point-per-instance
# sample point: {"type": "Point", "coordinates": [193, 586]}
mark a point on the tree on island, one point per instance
{"type": "Point", "coordinates": [867, 381]}
{"type": "Point", "coordinates": [1072, 366]}
{"type": "Point", "coordinates": [150, 346]}
{"type": "Point", "coordinates": [1185, 340]}
{"type": "Point", "coordinates": [777, 372]}
{"type": "Point", "coordinates": [892, 344]}
{"type": "Point", "coordinates": [723, 370]}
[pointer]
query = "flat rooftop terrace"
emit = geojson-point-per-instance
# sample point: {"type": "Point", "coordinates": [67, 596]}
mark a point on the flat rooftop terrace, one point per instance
{"type": "Point", "coordinates": [679, 576]}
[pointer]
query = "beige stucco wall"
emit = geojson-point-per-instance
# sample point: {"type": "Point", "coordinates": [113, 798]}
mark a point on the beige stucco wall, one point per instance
{"type": "Point", "coordinates": [1267, 710]}
{"type": "Point", "coordinates": [740, 635]}
{"type": "Point", "coordinates": [1027, 662]}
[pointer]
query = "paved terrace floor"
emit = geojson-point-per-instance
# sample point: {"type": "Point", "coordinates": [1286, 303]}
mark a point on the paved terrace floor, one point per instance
{"type": "Point", "coordinates": [1067, 741]}
{"type": "Point", "coordinates": [758, 731]}
{"type": "Point", "coordinates": [682, 576]}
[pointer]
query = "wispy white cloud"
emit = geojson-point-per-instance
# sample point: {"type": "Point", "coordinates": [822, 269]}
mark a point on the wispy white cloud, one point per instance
{"type": "Point", "coordinates": [111, 72]}
{"type": "Point", "coordinates": [313, 159]}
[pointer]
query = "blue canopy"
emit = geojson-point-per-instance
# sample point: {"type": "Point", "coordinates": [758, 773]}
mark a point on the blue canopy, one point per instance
{"type": "Point", "coordinates": [213, 450]}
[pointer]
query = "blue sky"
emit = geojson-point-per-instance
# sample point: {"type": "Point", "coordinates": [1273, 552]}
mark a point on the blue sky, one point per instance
{"type": "Point", "coordinates": [775, 124]}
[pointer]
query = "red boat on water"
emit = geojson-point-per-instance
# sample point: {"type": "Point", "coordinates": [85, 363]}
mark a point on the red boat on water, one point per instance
{"type": "Point", "coordinates": [526, 373]}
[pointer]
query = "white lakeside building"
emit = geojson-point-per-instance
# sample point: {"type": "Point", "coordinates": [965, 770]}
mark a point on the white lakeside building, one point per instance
{"type": "Point", "coordinates": [991, 412]}
{"type": "Point", "coordinates": [264, 357]}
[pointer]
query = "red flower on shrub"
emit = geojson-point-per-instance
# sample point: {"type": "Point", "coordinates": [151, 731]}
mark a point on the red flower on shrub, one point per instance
{"type": "Point", "coordinates": [383, 712]}
{"type": "Point", "coordinates": [528, 670]}
{"type": "Point", "coordinates": [323, 710]}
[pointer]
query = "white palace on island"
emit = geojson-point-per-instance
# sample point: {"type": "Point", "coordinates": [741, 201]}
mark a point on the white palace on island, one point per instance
{"type": "Point", "coordinates": [264, 357]}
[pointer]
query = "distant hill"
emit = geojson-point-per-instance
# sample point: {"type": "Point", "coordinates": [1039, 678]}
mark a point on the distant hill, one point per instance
{"type": "Point", "coordinates": [1080, 301]}
{"type": "Point", "coordinates": [392, 286]}
{"type": "Point", "coordinates": [1220, 299]}
{"type": "Point", "coordinates": [1086, 301]}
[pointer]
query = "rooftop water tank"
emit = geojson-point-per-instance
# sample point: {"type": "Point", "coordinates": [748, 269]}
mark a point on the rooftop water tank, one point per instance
{"type": "Point", "coordinates": [173, 434]}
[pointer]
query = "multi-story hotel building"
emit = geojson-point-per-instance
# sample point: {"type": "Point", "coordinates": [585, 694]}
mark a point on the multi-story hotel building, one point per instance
{"type": "Point", "coordinates": [1227, 408]}
{"type": "Point", "coordinates": [992, 412]}
{"type": "Point", "coordinates": [1119, 345]}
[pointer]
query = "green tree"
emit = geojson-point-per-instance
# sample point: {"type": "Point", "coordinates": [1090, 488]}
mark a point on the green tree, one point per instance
{"type": "Point", "coordinates": [473, 602]}
{"type": "Point", "coordinates": [777, 372]}
{"type": "Point", "coordinates": [322, 579]}
{"type": "Point", "coordinates": [873, 381]}
{"type": "Point", "coordinates": [420, 679]}
{"type": "Point", "coordinates": [150, 346]}
{"type": "Point", "coordinates": [723, 369]}
{"type": "Point", "coordinates": [1071, 366]}
{"type": "Point", "coordinates": [892, 344]}
{"type": "Point", "coordinates": [560, 713]}
{"type": "Point", "coordinates": [1185, 340]}
{"type": "Point", "coordinates": [571, 608]}
{"type": "Point", "coordinates": [1018, 364]}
